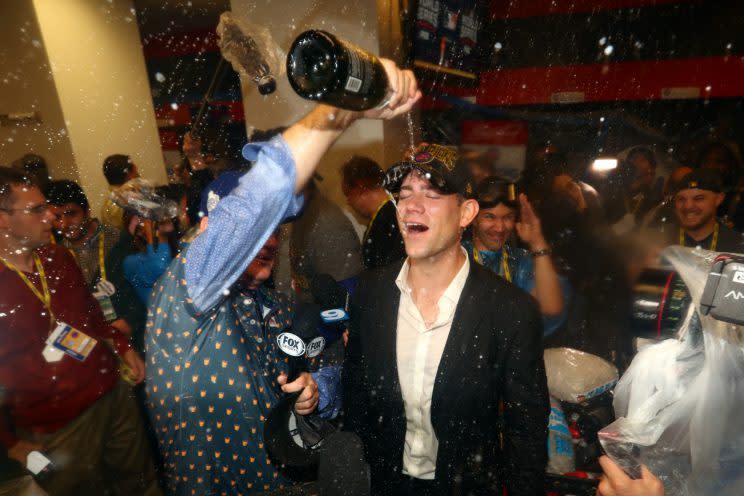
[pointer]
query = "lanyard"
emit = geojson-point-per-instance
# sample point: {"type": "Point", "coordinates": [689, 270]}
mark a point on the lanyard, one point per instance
{"type": "Point", "coordinates": [506, 272]}
{"type": "Point", "coordinates": [713, 242]}
{"type": "Point", "coordinates": [101, 262]}
{"type": "Point", "coordinates": [372, 221]}
{"type": "Point", "coordinates": [45, 295]}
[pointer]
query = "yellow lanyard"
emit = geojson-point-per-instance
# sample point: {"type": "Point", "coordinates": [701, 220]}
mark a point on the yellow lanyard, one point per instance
{"type": "Point", "coordinates": [372, 221]}
{"type": "Point", "coordinates": [504, 261]}
{"type": "Point", "coordinates": [713, 242]}
{"type": "Point", "coordinates": [101, 263]}
{"type": "Point", "coordinates": [45, 296]}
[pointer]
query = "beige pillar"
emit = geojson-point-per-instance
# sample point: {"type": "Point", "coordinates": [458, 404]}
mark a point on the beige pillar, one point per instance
{"type": "Point", "coordinates": [27, 87]}
{"type": "Point", "coordinates": [99, 72]}
{"type": "Point", "coordinates": [400, 134]}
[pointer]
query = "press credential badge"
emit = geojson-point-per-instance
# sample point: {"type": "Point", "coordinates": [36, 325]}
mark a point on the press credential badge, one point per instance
{"type": "Point", "coordinates": [67, 339]}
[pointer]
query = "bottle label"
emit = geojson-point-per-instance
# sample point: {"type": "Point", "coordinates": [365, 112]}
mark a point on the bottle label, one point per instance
{"type": "Point", "coordinates": [361, 69]}
{"type": "Point", "coordinates": [353, 84]}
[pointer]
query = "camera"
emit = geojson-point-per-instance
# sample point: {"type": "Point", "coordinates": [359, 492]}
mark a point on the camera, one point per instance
{"type": "Point", "coordinates": [724, 288]}
{"type": "Point", "coordinates": [661, 298]}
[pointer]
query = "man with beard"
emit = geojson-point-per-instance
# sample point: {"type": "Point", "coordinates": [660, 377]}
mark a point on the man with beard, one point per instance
{"type": "Point", "coordinates": [437, 345]}
{"type": "Point", "coordinates": [695, 203]}
{"type": "Point", "coordinates": [213, 376]}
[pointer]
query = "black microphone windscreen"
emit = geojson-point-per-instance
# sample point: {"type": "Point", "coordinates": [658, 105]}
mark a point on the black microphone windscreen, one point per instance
{"type": "Point", "coordinates": [327, 292]}
{"type": "Point", "coordinates": [342, 470]}
{"type": "Point", "coordinates": [306, 321]}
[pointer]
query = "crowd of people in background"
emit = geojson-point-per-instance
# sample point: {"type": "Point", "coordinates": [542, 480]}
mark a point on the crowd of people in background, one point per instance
{"type": "Point", "coordinates": [187, 305]}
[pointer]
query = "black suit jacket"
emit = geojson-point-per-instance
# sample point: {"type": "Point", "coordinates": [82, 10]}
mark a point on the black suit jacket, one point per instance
{"type": "Point", "coordinates": [493, 355]}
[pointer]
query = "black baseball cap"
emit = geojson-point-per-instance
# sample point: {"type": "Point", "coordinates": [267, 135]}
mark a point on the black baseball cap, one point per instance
{"type": "Point", "coordinates": [705, 179]}
{"type": "Point", "coordinates": [439, 164]}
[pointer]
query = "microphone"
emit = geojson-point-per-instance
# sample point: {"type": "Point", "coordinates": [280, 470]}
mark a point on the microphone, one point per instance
{"type": "Point", "coordinates": [333, 300]}
{"type": "Point", "coordinates": [292, 439]}
{"type": "Point", "coordinates": [342, 470]}
{"type": "Point", "coordinates": [327, 292]}
{"type": "Point", "coordinates": [302, 339]}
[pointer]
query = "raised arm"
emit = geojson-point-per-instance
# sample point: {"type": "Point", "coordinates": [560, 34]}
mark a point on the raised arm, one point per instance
{"type": "Point", "coordinates": [311, 137]}
{"type": "Point", "coordinates": [547, 290]}
{"type": "Point", "coordinates": [242, 221]}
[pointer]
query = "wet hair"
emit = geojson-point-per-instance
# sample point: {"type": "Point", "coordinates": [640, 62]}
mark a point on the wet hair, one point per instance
{"type": "Point", "coordinates": [116, 168]}
{"type": "Point", "coordinates": [362, 171]}
{"type": "Point", "coordinates": [12, 177]}
{"type": "Point", "coordinates": [61, 192]}
{"type": "Point", "coordinates": [642, 151]}
{"type": "Point", "coordinates": [494, 191]}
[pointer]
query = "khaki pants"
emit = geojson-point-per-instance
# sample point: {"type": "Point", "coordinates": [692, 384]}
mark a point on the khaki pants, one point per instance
{"type": "Point", "coordinates": [102, 452]}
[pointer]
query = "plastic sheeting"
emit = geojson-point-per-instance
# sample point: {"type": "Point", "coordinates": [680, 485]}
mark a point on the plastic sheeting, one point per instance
{"type": "Point", "coordinates": [249, 48]}
{"type": "Point", "coordinates": [139, 196]}
{"type": "Point", "coordinates": [576, 376]}
{"type": "Point", "coordinates": [680, 405]}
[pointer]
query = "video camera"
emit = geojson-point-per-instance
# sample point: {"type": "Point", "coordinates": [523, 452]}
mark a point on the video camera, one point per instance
{"type": "Point", "coordinates": [661, 298]}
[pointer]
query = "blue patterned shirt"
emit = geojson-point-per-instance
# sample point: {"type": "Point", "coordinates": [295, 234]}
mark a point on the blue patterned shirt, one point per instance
{"type": "Point", "coordinates": [212, 358]}
{"type": "Point", "coordinates": [211, 382]}
{"type": "Point", "coordinates": [241, 223]}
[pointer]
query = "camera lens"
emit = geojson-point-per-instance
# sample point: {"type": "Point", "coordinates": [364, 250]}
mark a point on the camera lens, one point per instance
{"type": "Point", "coordinates": [660, 301]}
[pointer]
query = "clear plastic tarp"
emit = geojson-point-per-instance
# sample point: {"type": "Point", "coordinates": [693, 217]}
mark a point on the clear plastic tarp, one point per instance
{"type": "Point", "coordinates": [679, 405]}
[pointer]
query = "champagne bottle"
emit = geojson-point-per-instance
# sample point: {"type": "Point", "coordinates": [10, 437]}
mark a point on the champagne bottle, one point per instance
{"type": "Point", "coordinates": [325, 68]}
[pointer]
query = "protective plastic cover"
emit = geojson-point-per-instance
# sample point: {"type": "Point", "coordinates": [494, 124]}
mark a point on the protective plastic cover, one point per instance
{"type": "Point", "coordinates": [139, 196]}
{"type": "Point", "coordinates": [247, 46]}
{"type": "Point", "coordinates": [576, 376]}
{"type": "Point", "coordinates": [680, 405]}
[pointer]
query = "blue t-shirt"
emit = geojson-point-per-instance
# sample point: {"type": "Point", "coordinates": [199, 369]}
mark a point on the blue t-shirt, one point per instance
{"type": "Point", "coordinates": [143, 269]}
{"type": "Point", "coordinates": [522, 271]}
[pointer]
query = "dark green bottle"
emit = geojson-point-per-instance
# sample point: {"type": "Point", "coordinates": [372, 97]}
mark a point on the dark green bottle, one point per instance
{"type": "Point", "coordinates": [325, 68]}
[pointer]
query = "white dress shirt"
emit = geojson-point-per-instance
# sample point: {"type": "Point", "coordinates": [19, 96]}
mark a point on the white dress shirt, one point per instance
{"type": "Point", "coordinates": [419, 350]}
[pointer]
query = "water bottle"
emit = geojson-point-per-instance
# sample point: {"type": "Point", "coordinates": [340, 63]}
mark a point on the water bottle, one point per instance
{"type": "Point", "coordinates": [245, 53]}
{"type": "Point", "coordinates": [325, 68]}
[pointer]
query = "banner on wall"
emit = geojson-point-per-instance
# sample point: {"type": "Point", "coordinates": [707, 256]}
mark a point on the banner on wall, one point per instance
{"type": "Point", "coordinates": [499, 144]}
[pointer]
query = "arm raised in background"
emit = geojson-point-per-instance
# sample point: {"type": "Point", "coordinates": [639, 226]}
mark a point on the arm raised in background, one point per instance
{"type": "Point", "coordinates": [243, 220]}
{"type": "Point", "coordinates": [547, 291]}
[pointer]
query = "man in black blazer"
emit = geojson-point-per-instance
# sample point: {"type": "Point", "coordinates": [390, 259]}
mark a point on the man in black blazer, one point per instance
{"type": "Point", "coordinates": [362, 186]}
{"type": "Point", "coordinates": [444, 378]}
